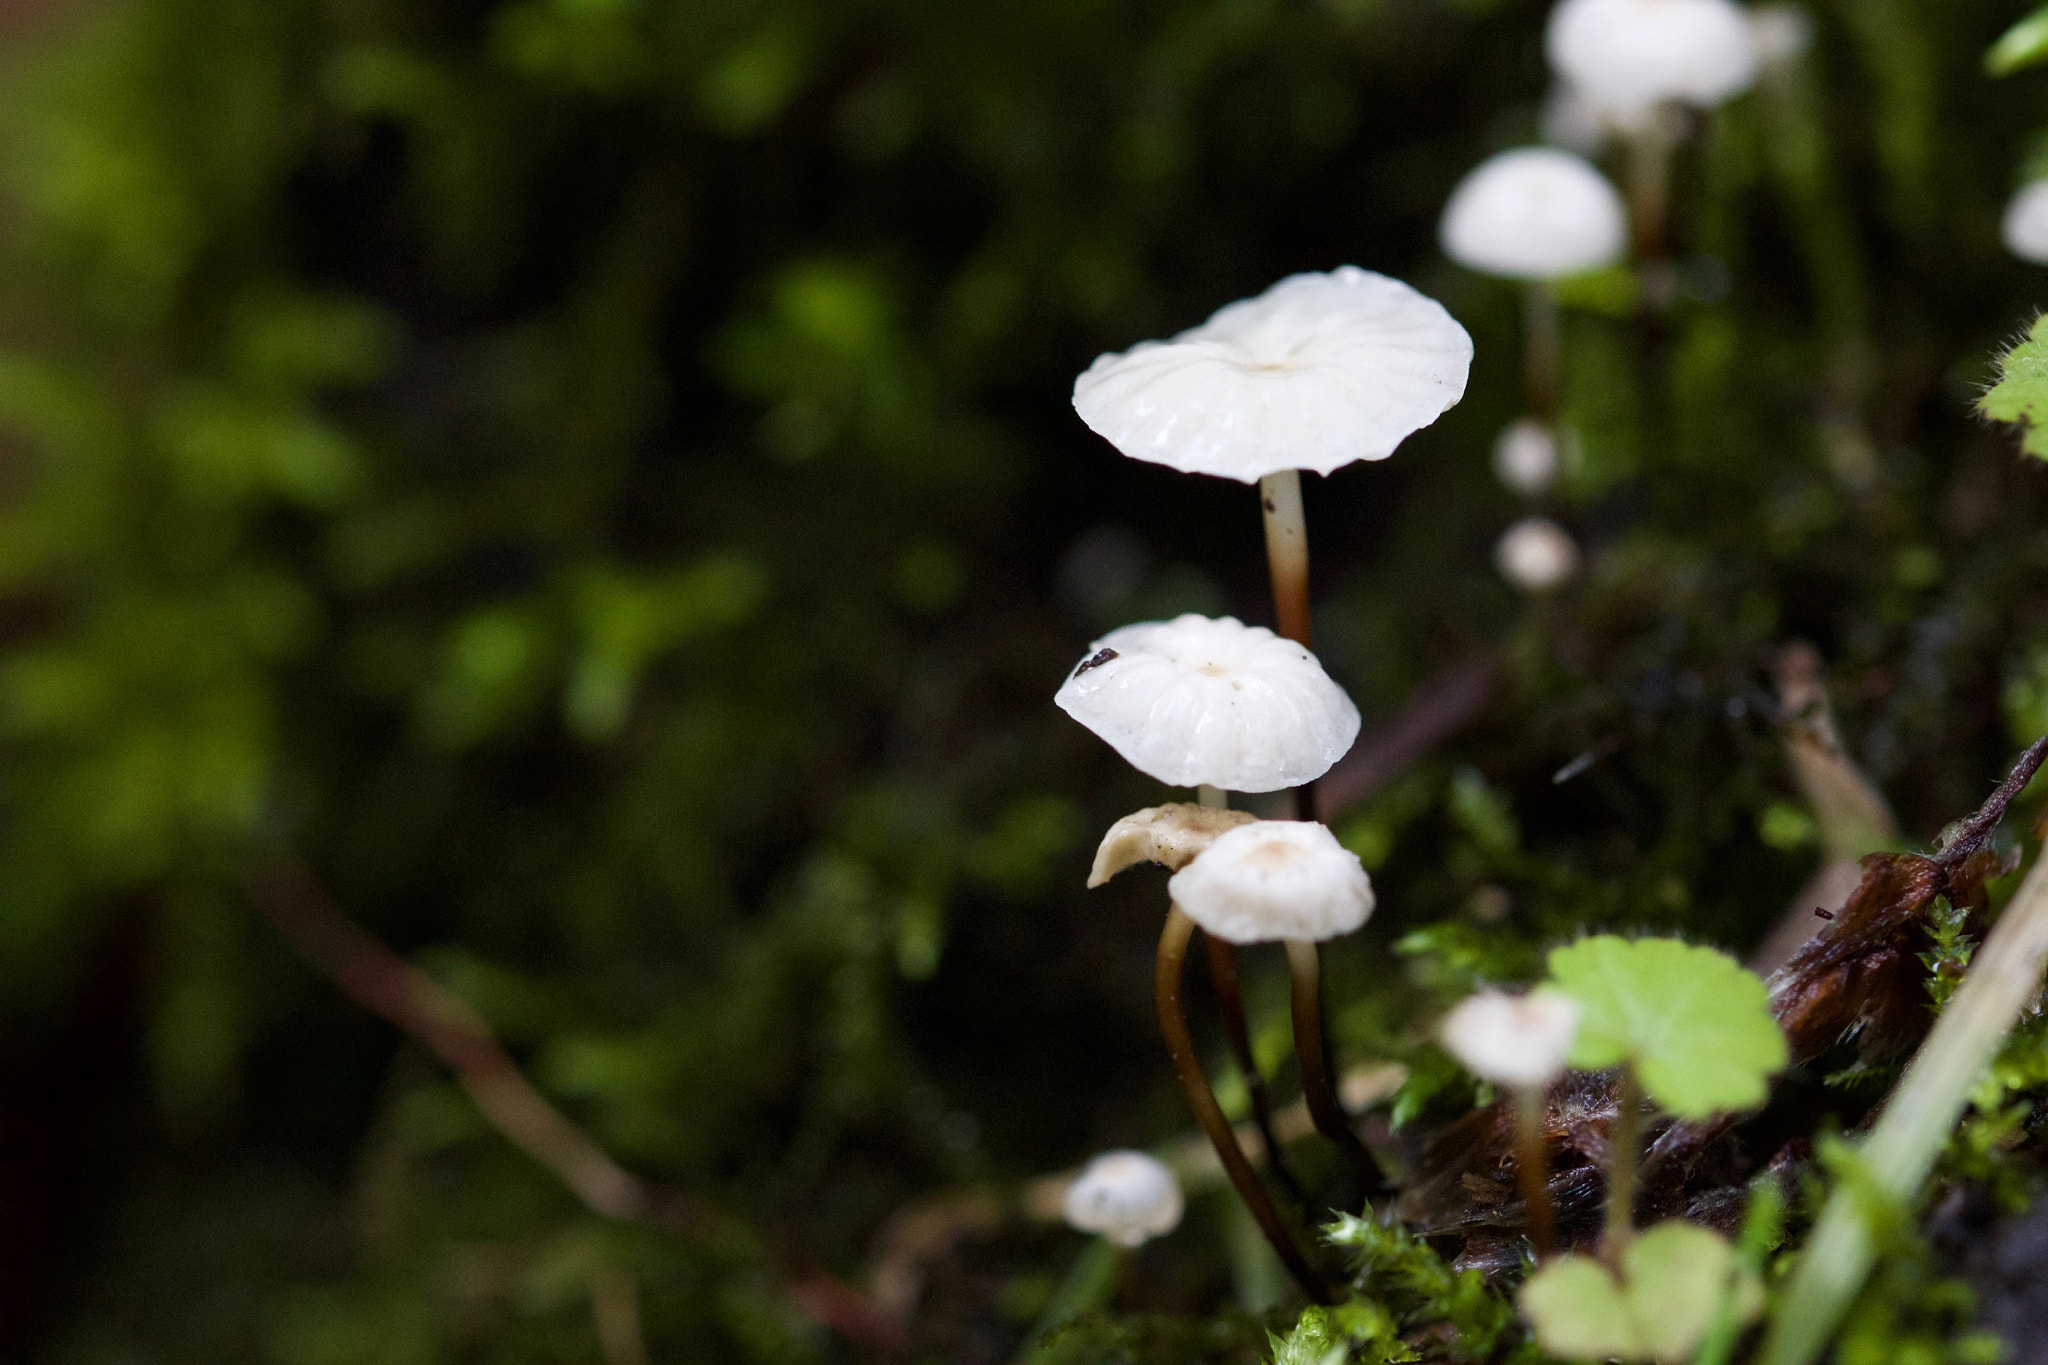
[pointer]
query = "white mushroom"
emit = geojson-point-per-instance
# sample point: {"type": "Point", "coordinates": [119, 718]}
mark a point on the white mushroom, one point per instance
{"type": "Point", "coordinates": [1128, 1197]}
{"type": "Point", "coordinates": [1516, 1041]}
{"type": "Point", "coordinates": [1275, 881]}
{"type": "Point", "coordinates": [1172, 835]}
{"type": "Point", "coordinates": [1525, 457]}
{"type": "Point", "coordinates": [1535, 213]}
{"type": "Point", "coordinates": [1536, 555]}
{"type": "Point", "coordinates": [1201, 702]}
{"type": "Point", "coordinates": [2025, 229]}
{"type": "Point", "coordinates": [1781, 34]}
{"type": "Point", "coordinates": [1318, 371]}
{"type": "Point", "coordinates": [1628, 55]}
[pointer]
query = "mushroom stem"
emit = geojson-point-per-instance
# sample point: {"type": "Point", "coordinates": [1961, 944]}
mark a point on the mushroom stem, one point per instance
{"type": "Point", "coordinates": [1649, 186]}
{"type": "Point", "coordinates": [1541, 352]}
{"type": "Point", "coordinates": [1223, 976]}
{"type": "Point", "coordinates": [1180, 1045]}
{"type": "Point", "coordinates": [1287, 552]}
{"type": "Point", "coordinates": [1305, 968]}
{"type": "Point", "coordinates": [1532, 1169]}
{"type": "Point", "coordinates": [1622, 1143]}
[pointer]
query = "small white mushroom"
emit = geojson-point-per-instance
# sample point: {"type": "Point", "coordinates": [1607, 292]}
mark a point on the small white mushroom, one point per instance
{"type": "Point", "coordinates": [1275, 881]}
{"type": "Point", "coordinates": [1200, 702]}
{"type": "Point", "coordinates": [2025, 229]}
{"type": "Point", "coordinates": [1536, 555]}
{"type": "Point", "coordinates": [1171, 835]}
{"type": "Point", "coordinates": [1128, 1197]}
{"type": "Point", "coordinates": [1525, 457]}
{"type": "Point", "coordinates": [1318, 371]}
{"type": "Point", "coordinates": [1516, 1041]}
{"type": "Point", "coordinates": [1780, 33]}
{"type": "Point", "coordinates": [1535, 213]}
{"type": "Point", "coordinates": [1628, 55]}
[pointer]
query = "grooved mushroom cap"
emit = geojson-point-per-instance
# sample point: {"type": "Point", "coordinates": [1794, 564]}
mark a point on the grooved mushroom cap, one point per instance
{"type": "Point", "coordinates": [1627, 55]}
{"type": "Point", "coordinates": [1172, 835]}
{"type": "Point", "coordinates": [1128, 1197]}
{"type": "Point", "coordinates": [1318, 371]}
{"type": "Point", "coordinates": [2025, 229]}
{"type": "Point", "coordinates": [1275, 880]}
{"type": "Point", "coordinates": [1535, 213]}
{"type": "Point", "coordinates": [1536, 555]}
{"type": "Point", "coordinates": [1519, 1041]}
{"type": "Point", "coordinates": [1198, 702]}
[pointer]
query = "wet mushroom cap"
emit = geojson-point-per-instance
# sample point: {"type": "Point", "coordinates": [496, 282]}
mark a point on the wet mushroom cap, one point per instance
{"type": "Point", "coordinates": [1128, 1197]}
{"type": "Point", "coordinates": [1318, 371]}
{"type": "Point", "coordinates": [1627, 55]}
{"type": "Point", "coordinates": [1535, 213]}
{"type": "Point", "coordinates": [1519, 1041]}
{"type": "Point", "coordinates": [1274, 881]}
{"type": "Point", "coordinates": [1199, 702]}
{"type": "Point", "coordinates": [2025, 228]}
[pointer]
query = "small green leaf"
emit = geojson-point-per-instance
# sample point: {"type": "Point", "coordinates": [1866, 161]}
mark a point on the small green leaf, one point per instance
{"type": "Point", "coordinates": [2021, 394]}
{"type": "Point", "coordinates": [2024, 44]}
{"type": "Point", "coordinates": [1676, 1280]}
{"type": "Point", "coordinates": [1690, 1022]}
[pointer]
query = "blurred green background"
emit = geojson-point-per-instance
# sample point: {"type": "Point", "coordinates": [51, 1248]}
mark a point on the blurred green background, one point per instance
{"type": "Point", "coordinates": [594, 480]}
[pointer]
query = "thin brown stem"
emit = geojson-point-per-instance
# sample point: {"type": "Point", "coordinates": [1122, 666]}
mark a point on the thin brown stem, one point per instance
{"type": "Point", "coordinates": [615, 1308]}
{"type": "Point", "coordinates": [1305, 973]}
{"type": "Point", "coordinates": [1230, 999]}
{"type": "Point", "coordinates": [1180, 1045]}
{"type": "Point", "coordinates": [1532, 1170]}
{"type": "Point", "coordinates": [1542, 352]}
{"type": "Point", "coordinates": [1649, 186]}
{"type": "Point", "coordinates": [1624, 1145]}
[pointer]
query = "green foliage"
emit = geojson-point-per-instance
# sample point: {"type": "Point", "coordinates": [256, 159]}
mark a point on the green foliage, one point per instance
{"type": "Point", "coordinates": [1406, 1278]}
{"type": "Point", "coordinates": [1359, 1331]}
{"type": "Point", "coordinates": [2024, 44]}
{"type": "Point", "coordinates": [1690, 1022]}
{"type": "Point", "coordinates": [1675, 1281]}
{"type": "Point", "coordinates": [2021, 394]}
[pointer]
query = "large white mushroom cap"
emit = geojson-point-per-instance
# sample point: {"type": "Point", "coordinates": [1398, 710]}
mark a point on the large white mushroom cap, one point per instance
{"type": "Point", "coordinates": [1199, 702]}
{"type": "Point", "coordinates": [2025, 229]}
{"type": "Point", "coordinates": [1535, 213]}
{"type": "Point", "coordinates": [1318, 371]}
{"type": "Point", "coordinates": [1275, 880]}
{"type": "Point", "coordinates": [1631, 54]}
{"type": "Point", "coordinates": [1520, 1041]}
{"type": "Point", "coordinates": [1128, 1197]}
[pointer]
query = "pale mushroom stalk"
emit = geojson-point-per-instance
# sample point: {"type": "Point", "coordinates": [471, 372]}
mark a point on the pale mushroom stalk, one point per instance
{"type": "Point", "coordinates": [1623, 1143]}
{"type": "Point", "coordinates": [1287, 553]}
{"type": "Point", "coordinates": [1532, 1169]}
{"type": "Point", "coordinates": [1180, 1045]}
{"type": "Point", "coordinates": [1542, 351]}
{"type": "Point", "coordinates": [1305, 972]}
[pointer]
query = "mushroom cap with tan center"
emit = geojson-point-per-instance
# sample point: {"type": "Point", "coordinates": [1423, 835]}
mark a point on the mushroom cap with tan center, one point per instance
{"type": "Point", "coordinates": [1318, 371]}
{"type": "Point", "coordinates": [2025, 228]}
{"type": "Point", "coordinates": [1519, 1041]}
{"type": "Point", "coordinates": [1627, 55]}
{"type": "Point", "coordinates": [1201, 702]}
{"type": "Point", "coordinates": [1535, 213]}
{"type": "Point", "coordinates": [1126, 1196]}
{"type": "Point", "coordinates": [1272, 881]}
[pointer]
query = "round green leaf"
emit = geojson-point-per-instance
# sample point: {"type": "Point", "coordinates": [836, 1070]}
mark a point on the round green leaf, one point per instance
{"type": "Point", "coordinates": [1674, 1281]}
{"type": "Point", "coordinates": [1694, 1027]}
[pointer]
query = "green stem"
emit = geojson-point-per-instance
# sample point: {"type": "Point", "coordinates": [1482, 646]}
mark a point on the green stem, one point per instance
{"type": "Point", "coordinates": [1917, 1122]}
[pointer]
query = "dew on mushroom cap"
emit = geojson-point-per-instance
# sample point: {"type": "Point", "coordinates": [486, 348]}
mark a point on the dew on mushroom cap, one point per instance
{"type": "Point", "coordinates": [2025, 227]}
{"type": "Point", "coordinates": [1631, 54]}
{"type": "Point", "coordinates": [1318, 371]}
{"type": "Point", "coordinates": [1518, 1041]}
{"type": "Point", "coordinates": [1535, 213]}
{"type": "Point", "coordinates": [1126, 1196]}
{"type": "Point", "coordinates": [1200, 702]}
{"type": "Point", "coordinates": [1275, 881]}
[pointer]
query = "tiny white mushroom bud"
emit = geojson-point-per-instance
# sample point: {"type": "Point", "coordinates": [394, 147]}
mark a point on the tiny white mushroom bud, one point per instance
{"type": "Point", "coordinates": [1525, 457]}
{"type": "Point", "coordinates": [1517, 1041]}
{"type": "Point", "coordinates": [1631, 54]}
{"type": "Point", "coordinates": [2025, 229]}
{"type": "Point", "coordinates": [1535, 213]}
{"type": "Point", "coordinates": [1275, 881]}
{"type": "Point", "coordinates": [1781, 34]}
{"type": "Point", "coordinates": [1318, 371]}
{"type": "Point", "coordinates": [1536, 555]}
{"type": "Point", "coordinates": [1128, 1197]}
{"type": "Point", "coordinates": [1171, 835]}
{"type": "Point", "coordinates": [1199, 702]}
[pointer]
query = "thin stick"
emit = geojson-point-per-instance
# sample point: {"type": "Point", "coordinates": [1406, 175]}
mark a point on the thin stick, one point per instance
{"type": "Point", "coordinates": [1287, 553]}
{"type": "Point", "coordinates": [1541, 352]}
{"type": "Point", "coordinates": [2003, 981]}
{"type": "Point", "coordinates": [1305, 973]}
{"type": "Point", "coordinates": [1623, 1153]}
{"type": "Point", "coordinates": [1532, 1170]}
{"type": "Point", "coordinates": [1180, 1045]}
